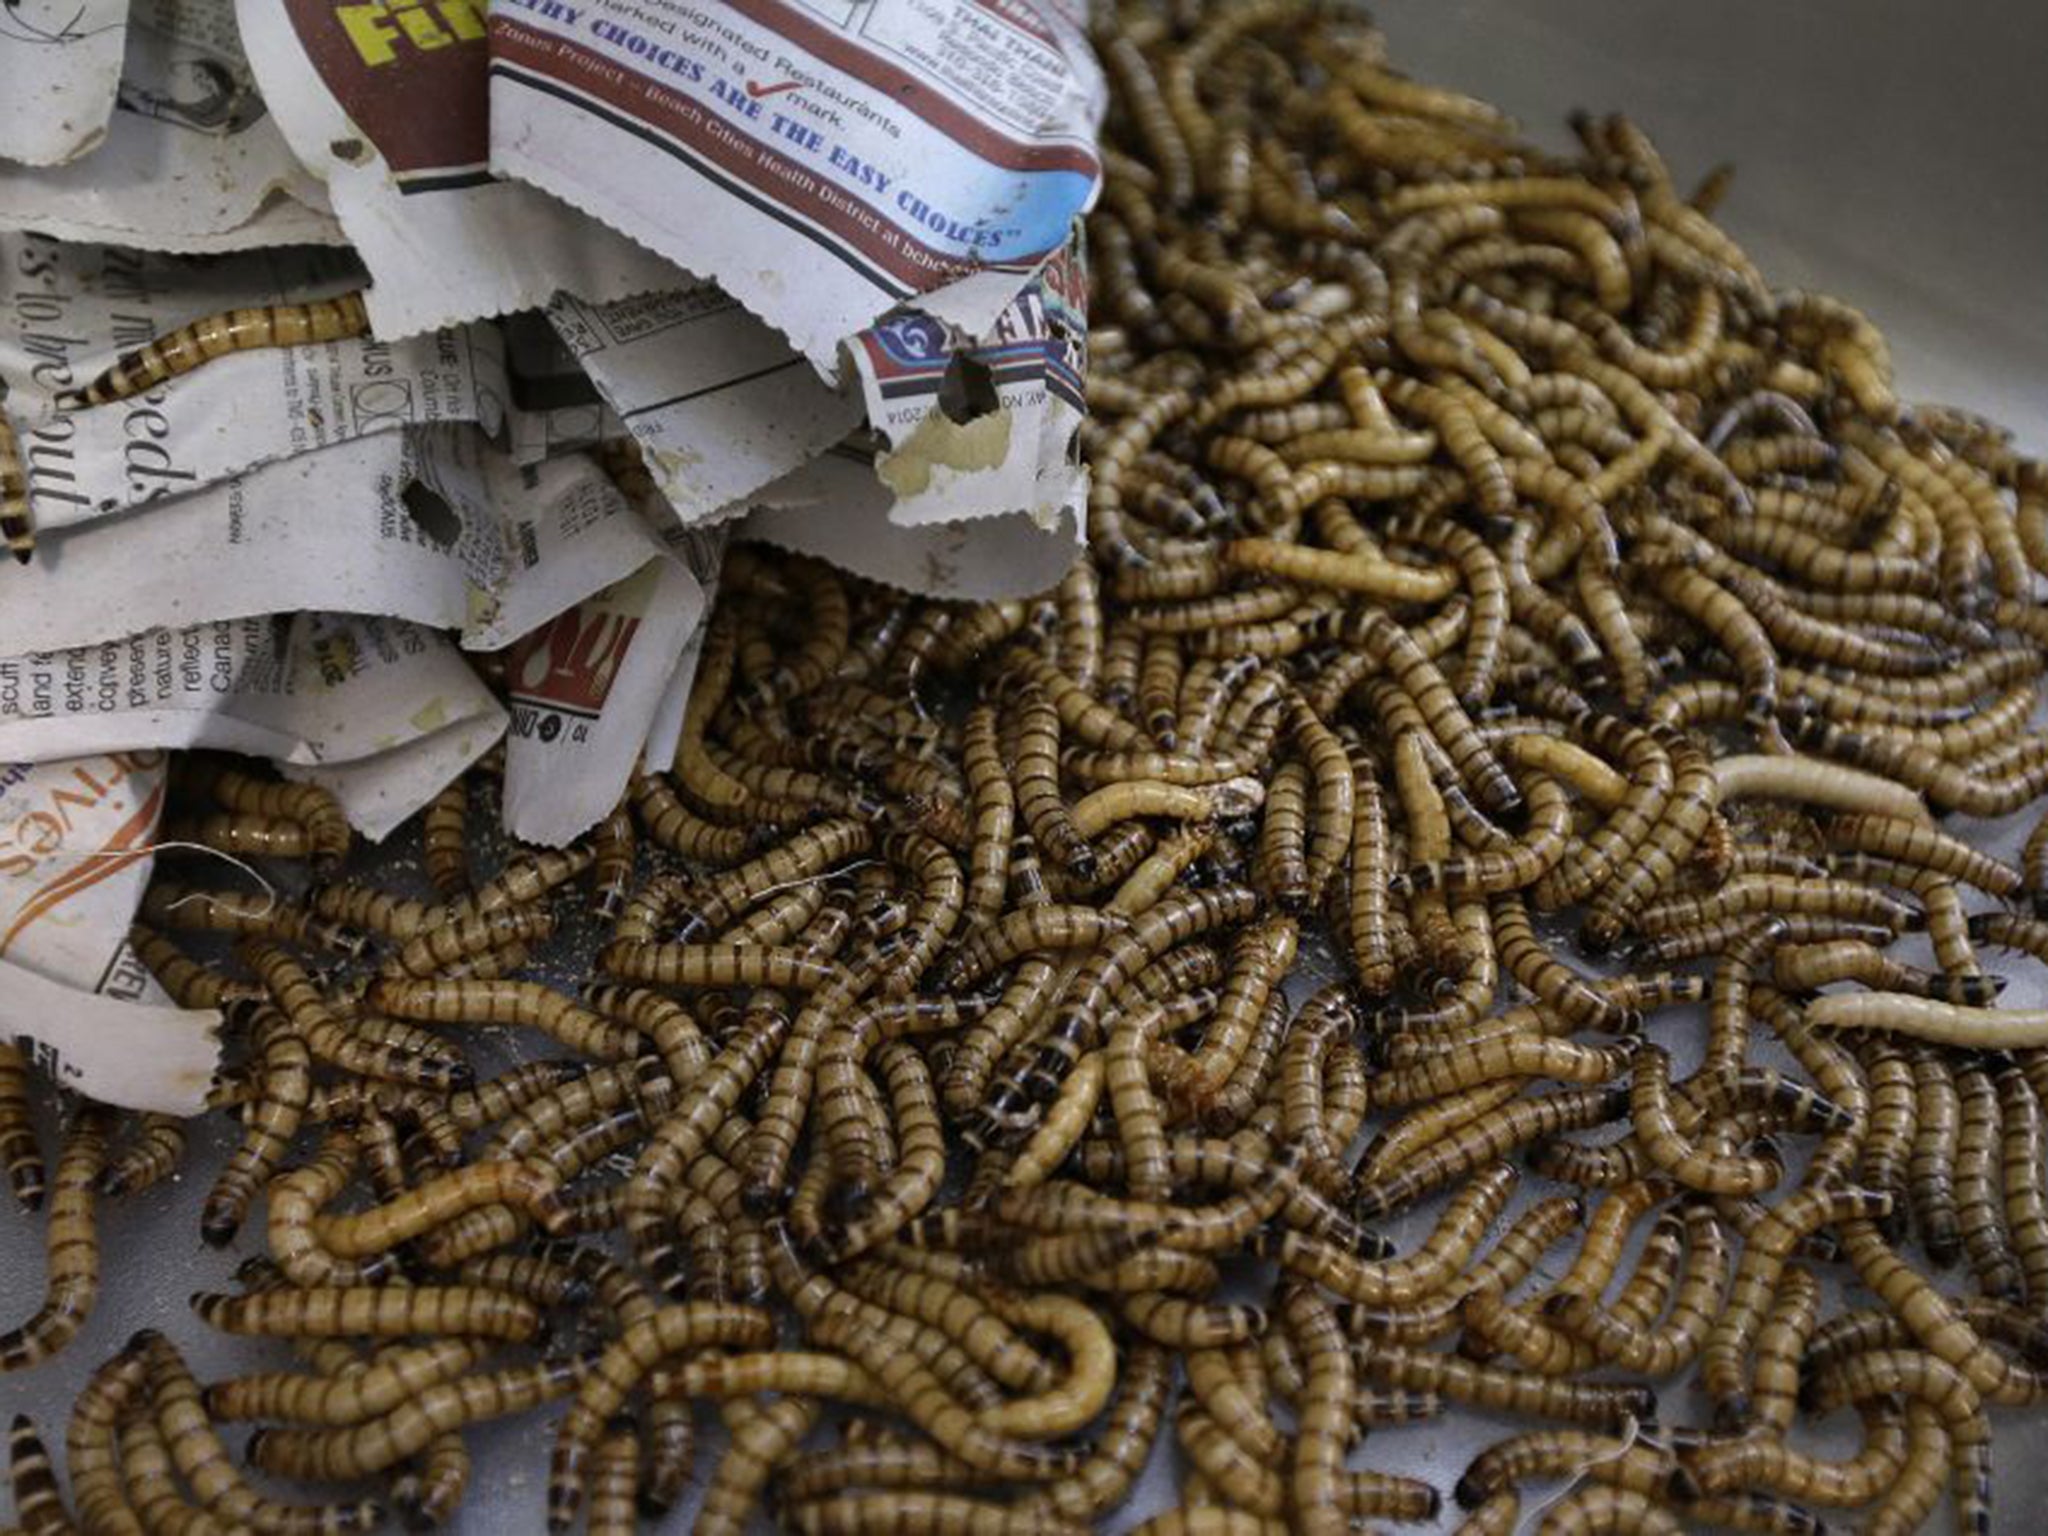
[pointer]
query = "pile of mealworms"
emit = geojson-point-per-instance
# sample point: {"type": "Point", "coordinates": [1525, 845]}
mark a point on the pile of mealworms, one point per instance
{"type": "Point", "coordinates": [1518, 670]}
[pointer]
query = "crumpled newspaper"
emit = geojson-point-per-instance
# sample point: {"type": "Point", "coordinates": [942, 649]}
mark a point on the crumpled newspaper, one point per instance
{"type": "Point", "coordinates": [817, 273]}
{"type": "Point", "coordinates": [76, 848]}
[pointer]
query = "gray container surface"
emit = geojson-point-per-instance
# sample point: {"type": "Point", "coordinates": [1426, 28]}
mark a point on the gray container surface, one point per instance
{"type": "Point", "coordinates": [1888, 153]}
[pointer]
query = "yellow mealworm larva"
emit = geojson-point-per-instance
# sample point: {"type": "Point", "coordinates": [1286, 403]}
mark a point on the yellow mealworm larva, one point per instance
{"type": "Point", "coordinates": [235, 330]}
{"type": "Point", "coordinates": [16, 524]}
{"type": "Point", "coordinates": [19, 1149]}
{"type": "Point", "coordinates": [444, 839]}
{"type": "Point", "coordinates": [527, 1004]}
{"type": "Point", "coordinates": [72, 1285]}
{"type": "Point", "coordinates": [382, 1313]}
{"type": "Point", "coordinates": [306, 805]}
{"type": "Point", "coordinates": [1994, 1029]}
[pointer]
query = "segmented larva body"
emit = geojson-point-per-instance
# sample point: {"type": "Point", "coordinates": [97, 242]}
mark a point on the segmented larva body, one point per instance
{"type": "Point", "coordinates": [16, 523]}
{"type": "Point", "coordinates": [237, 330]}
{"type": "Point", "coordinates": [72, 1242]}
{"type": "Point", "coordinates": [19, 1150]}
{"type": "Point", "coordinates": [1472, 533]}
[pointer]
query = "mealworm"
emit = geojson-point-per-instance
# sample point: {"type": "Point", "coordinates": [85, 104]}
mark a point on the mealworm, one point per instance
{"type": "Point", "coordinates": [1940, 1386]}
{"type": "Point", "coordinates": [1697, 1301]}
{"type": "Point", "coordinates": [1925, 1019]}
{"type": "Point", "coordinates": [675, 827]}
{"type": "Point", "coordinates": [190, 984]}
{"type": "Point", "coordinates": [1494, 871]}
{"type": "Point", "coordinates": [343, 1454]}
{"type": "Point", "coordinates": [526, 1004]}
{"type": "Point", "coordinates": [202, 1460]}
{"type": "Point", "coordinates": [1403, 1282]}
{"type": "Point", "coordinates": [328, 1038]}
{"type": "Point", "coordinates": [428, 1495]}
{"type": "Point", "coordinates": [17, 525]}
{"type": "Point", "coordinates": [1668, 1149]}
{"type": "Point", "coordinates": [294, 1201]}
{"type": "Point", "coordinates": [1481, 1140]}
{"type": "Point", "coordinates": [759, 1440]}
{"type": "Point", "coordinates": [2020, 1161]}
{"type": "Point", "coordinates": [309, 806]}
{"type": "Point", "coordinates": [170, 904]}
{"type": "Point", "coordinates": [236, 330]}
{"type": "Point", "coordinates": [257, 836]}
{"type": "Point", "coordinates": [150, 1478]}
{"type": "Point", "coordinates": [19, 1149]}
{"type": "Point", "coordinates": [326, 1312]}
{"type": "Point", "coordinates": [335, 1401]}
{"type": "Point", "coordinates": [1543, 1345]}
{"type": "Point", "coordinates": [38, 1500]}
{"type": "Point", "coordinates": [1497, 1390]}
{"type": "Point", "coordinates": [444, 839]}
{"type": "Point", "coordinates": [1930, 1172]}
{"type": "Point", "coordinates": [463, 938]}
{"type": "Point", "coordinates": [72, 1244]}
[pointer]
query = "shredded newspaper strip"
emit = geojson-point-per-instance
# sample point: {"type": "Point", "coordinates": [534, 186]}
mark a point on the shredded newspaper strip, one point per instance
{"type": "Point", "coordinates": [191, 159]}
{"type": "Point", "coordinates": [77, 844]}
{"type": "Point", "coordinates": [70, 53]}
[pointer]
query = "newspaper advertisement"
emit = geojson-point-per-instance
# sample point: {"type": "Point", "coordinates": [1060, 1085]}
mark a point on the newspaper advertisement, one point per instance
{"type": "Point", "coordinates": [380, 711]}
{"type": "Point", "coordinates": [432, 525]}
{"type": "Point", "coordinates": [719, 402]}
{"type": "Point", "coordinates": [976, 427]}
{"type": "Point", "coordinates": [62, 60]}
{"type": "Point", "coordinates": [388, 104]}
{"type": "Point", "coordinates": [589, 689]}
{"type": "Point", "coordinates": [191, 159]}
{"type": "Point", "coordinates": [822, 163]}
{"type": "Point", "coordinates": [77, 840]}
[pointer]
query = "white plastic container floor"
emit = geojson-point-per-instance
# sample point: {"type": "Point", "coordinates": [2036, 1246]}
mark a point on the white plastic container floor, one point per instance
{"type": "Point", "coordinates": [1886, 152]}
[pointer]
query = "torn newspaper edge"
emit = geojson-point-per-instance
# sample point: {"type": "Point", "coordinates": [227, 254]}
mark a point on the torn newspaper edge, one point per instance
{"type": "Point", "coordinates": [973, 427]}
{"type": "Point", "coordinates": [77, 840]}
{"type": "Point", "coordinates": [836, 509]}
{"type": "Point", "coordinates": [63, 61]}
{"type": "Point", "coordinates": [380, 711]}
{"type": "Point", "coordinates": [432, 525]}
{"type": "Point", "coordinates": [191, 161]}
{"type": "Point", "coordinates": [554, 407]}
{"type": "Point", "coordinates": [68, 310]}
{"type": "Point", "coordinates": [399, 689]}
{"type": "Point", "coordinates": [703, 550]}
{"type": "Point", "coordinates": [387, 105]}
{"type": "Point", "coordinates": [568, 532]}
{"type": "Point", "coordinates": [718, 401]}
{"type": "Point", "coordinates": [110, 1047]}
{"type": "Point", "coordinates": [823, 164]}
{"type": "Point", "coordinates": [972, 424]}
{"type": "Point", "coordinates": [586, 690]}
{"type": "Point", "coordinates": [665, 728]}
{"type": "Point", "coordinates": [968, 484]}
{"type": "Point", "coordinates": [250, 409]}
